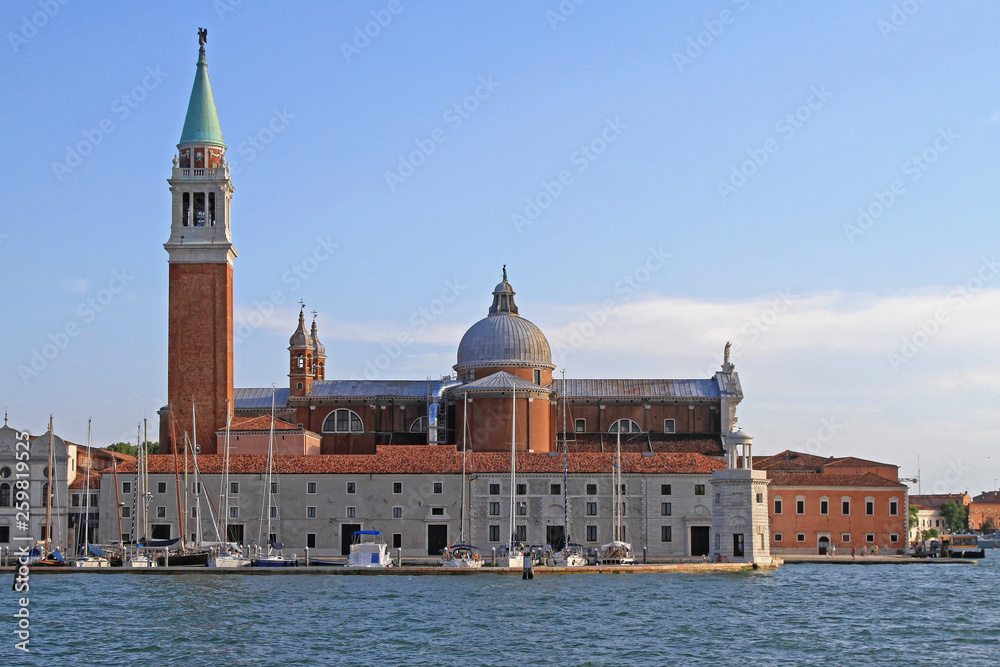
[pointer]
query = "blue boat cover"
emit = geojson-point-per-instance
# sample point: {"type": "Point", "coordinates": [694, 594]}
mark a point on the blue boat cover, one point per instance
{"type": "Point", "coordinates": [97, 550]}
{"type": "Point", "coordinates": [367, 532]}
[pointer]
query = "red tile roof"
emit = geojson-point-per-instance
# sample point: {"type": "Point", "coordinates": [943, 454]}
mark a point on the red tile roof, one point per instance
{"type": "Point", "coordinates": [708, 445]}
{"type": "Point", "coordinates": [426, 460]}
{"type": "Point", "coordinates": [259, 423]}
{"type": "Point", "coordinates": [81, 481]}
{"type": "Point", "coordinates": [790, 460]}
{"type": "Point", "coordinates": [793, 479]}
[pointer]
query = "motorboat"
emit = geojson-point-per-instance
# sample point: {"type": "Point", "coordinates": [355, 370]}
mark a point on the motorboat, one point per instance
{"type": "Point", "coordinates": [461, 555]}
{"type": "Point", "coordinates": [368, 550]}
{"type": "Point", "coordinates": [570, 555]}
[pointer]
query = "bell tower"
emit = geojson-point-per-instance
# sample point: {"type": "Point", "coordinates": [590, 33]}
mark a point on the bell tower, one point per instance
{"type": "Point", "coordinates": [301, 359]}
{"type": "Point", "coordinates": [200, 256]}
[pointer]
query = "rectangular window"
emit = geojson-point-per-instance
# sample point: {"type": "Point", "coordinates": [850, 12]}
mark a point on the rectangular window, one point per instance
{"type": "Point", "coordinates": [438, 487]}
{"type": "Point", "coordinates": [894, 538]}
{"type": "Point", "coordinates": [664, 489]}
{"type": "Point", "coordinates": [591, 533]}
{"type": "Point", "coordinates": [437, 511]}
{"type": "Point", "coordinates": [522, 509]}
{"type": "Point", "coordinates": [494, 489]}
{"type": "Point", "coordinates": [161, 487]}
{"type": "Point", "coordinates": [186, 215]}
{"type": "Point", "coordinates": [310, 487]}
{"type": "Point", "coordinates": [845, 507]}
{"type": "Point", "coordinates": [522, 489]}
{"type": "Point", "coordinates": [234, 488]}
{"type": "Point", "coordinates": [126, 513]}
{"type": "Point", "coordinates": [311, 540]}
{"type": "Point", "coordinates": [824, 507]}
{"type": "Point", "coordinates": [161, 512]}
{"type": "Point", "coordinates": [274, 488]}
{"type": "Point", "coordinates": [800, 507]}
{"type": "Point", "coordinates": [274, 512]}
{"type": "Point", "coordinates": [494, 509]}
{"type": "Point", "coordinates": [234, 512]}
{"type": "Point", "coordinates": [397, 512]}
{"type": "Point", "coordinates": [591, 489]}
{"type": "Point", "coordinates": [350, 512]}
{"type": "Point", "coordinates": [666, 533]}
{"type": "Point", "coordinates": [397, 540]}
{"type": "Point", "coordinates": [555, 489]}
{"type": "Point", "coordinates": [196, 488]}
{"type": "Point", "coordinates": [669, 426]}
{"type": "Point", "coordinates": [522, 533]}
{"type": "Point", "coordinates": [869, 537]}
{"type": "Point", "coordinates": [310, 512]}
{"type": "Point", "coordinates": [397, 487]}
{"type": "Point", "coordinates": [581, 425]}
{"type": "Point", "coordinates": [869, 508]}
{"type": "Point", "coordinates": [591, 509]}
{"type": "Point", "coordinates": [760, 497]}
{"type": "Point", "coordinates": [76, 500]}
{"type": "Point", "coordinates": [699, 489]}
{"type": "Point", "coordinates": [893, 508]}
{"type": "Point", "coordinates": [352, 487]}
{"type": "Point", "coordinates": [494, 533]}
{"type": "Point", "coordinates": [4, 534]}
{"type": "Point", "coordinates": [800, 537]}
{"type": "Point", "coordinates": [845, 537]}
{"type": "Point", "coordinates": [777, 505]}
{"type": "Point", "coordinates": [777, 537]}
{"type": "Point", "coordinates": [126, 487]}
{"type": "Point", "coordinates": [194, 512]}
{"type": "Point", "coordinates": [665, 509]}
{"type": "Point", "coordinates": [537, 376]}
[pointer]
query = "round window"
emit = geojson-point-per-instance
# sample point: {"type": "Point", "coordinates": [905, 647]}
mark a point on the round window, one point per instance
{"type": "Point", "coordinates": [5, 472]}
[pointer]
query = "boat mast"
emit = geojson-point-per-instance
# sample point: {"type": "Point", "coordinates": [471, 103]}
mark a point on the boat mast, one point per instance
{"type": "Point", "coordinates": [177, 479]}
{"type": "Point", "coordinates": [118, 503]}
{"type": "Point", "coordinates": [86, 506]}
{"type": "Point", "coordinates": [566, 536]}
{"type": "Point", "coordinates": [513, 467]}
{"type": "Point", "coordinates": [197, 480]}
{"type": "Point", "coordinates": [48, 496]}
{"type": "Point", "coordinates": [224, 501]}
{"type": "Point", "coordinates": [143, 481]}
{"type": "Point", "coordinates": [616, 494]}
{"type": "Point", "coordinates": [465, 428]}
{"type": "Point", "coordinates": [266, 504]}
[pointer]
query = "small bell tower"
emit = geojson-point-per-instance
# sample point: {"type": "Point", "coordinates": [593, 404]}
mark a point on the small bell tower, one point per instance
{"type": "Point", "coordinates": [301, 358]}
{"type": "Point", "coordinates": [200, 255]}
{"type": "Point", "coordinates": [319, 353]}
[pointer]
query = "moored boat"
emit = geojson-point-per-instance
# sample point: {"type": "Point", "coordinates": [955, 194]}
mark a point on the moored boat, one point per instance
{"type": "Point", "coordinates": [369, 550]}
{"type": "Point", "coordinates": [461, 555]}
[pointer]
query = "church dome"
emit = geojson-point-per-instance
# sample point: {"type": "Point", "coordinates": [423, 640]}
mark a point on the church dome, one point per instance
{"type": "Point", "coordinates": [503, 338]}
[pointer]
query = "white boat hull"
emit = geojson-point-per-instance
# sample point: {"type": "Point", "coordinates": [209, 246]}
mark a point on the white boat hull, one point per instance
{"type": "Point", "coordinates": [91, 562]}
{"type": "Point", "coordinates": [573, 560]}
{"type": "Point", "coordinates": [513, 561]}
{"type": "Point", "coordinates": [462, 562]}
{"type": "Point", "coordinates": [228, 562]}
{"type": "Point", "coordinates": [140, 562]}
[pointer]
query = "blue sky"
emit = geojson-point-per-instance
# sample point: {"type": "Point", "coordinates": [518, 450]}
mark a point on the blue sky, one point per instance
{"type": "Point", "coordinates": [659, 178]}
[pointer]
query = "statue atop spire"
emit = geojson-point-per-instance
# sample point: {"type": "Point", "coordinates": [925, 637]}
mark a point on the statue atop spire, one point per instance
{"type": "Point", "coordinates": [505, 273]}
{"type": "Point", "coordinates": [202, 37]}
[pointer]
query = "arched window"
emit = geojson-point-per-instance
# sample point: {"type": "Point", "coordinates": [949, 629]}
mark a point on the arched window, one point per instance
{"type": "Point", "coordinates": [626, 426]}
{"type": "Point", "coordinates": [45, 493]}
{"type": "Point", "coordinates": [343, 421]}
{"type": "Point", "coordinates": [419, 425]}
{"type": "Point", "coordinates": [4, 495]}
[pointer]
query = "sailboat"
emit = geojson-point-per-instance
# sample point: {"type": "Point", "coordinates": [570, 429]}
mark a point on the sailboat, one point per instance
{"type": "Point", "coordinates": [618, 551]}
{"type": "Point", "coordinates": [199, 555]}
{"type": "Point", "coordinates": [229, 554]}
{"type": "Point", "coordinates": [139, 557]}
{"type": "Point", "coordinates": [513, 556]}
{"type": "Point", "coordinates": [570, 554]}
{"type": "Point", "coordinates": [274, 556]}
{"type": "Point", "coordinates": [86, 559]}
{"type": "Point", "coordinates": [462, 554]}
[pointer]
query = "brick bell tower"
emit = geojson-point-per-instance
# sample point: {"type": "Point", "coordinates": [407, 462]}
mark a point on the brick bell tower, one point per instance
{"type": "Point", "coordinates": [200, 255]}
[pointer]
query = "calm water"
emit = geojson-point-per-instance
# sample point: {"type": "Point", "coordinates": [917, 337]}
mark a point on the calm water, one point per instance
{"type": "Point", "coordinates": [798, 615]}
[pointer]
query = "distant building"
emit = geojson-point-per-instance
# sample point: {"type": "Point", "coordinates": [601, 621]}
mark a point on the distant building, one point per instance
{"type": "Point", "coordinates": [928, 518]}
{"type": "Point", "coordinates": [984, 511]}
{"type": "Point", "coordinates": [817, 502]}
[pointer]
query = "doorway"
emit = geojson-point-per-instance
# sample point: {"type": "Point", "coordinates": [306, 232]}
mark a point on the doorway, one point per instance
{"type": "Point", "coordinates": [347, 531]}
{"type": "Point", "coordinates": [699, 540]}
{"type": "Point", "coordinates": [437, 538]}
{"type": "Point", "coordinates": [554, 536]}
{"type": "Point", "coordinates": [824, 545]}
{"type": "Point", "coordinates": [737, 545]}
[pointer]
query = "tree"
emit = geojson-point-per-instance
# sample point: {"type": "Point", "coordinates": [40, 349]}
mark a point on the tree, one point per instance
{"type": "Point", "coordinates": [930, 533]}
{"type": "Point", "coordinates": [132, 450]}
{"type": "Point", "coordinates": [956, 517]}
{"type": "Point", "coordinates": [913, 517]}
{"type": "Point", "coordinates": [988, 526]}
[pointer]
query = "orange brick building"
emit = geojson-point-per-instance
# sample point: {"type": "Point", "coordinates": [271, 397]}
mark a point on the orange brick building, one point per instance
{"type": "Point", "coordinates": [848, 502]}
{"type": "Point", "coordinates": [984, 511]}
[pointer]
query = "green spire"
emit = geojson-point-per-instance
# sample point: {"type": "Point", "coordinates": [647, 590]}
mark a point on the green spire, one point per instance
{"type": "Point", "coordinates": [201, 125]}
